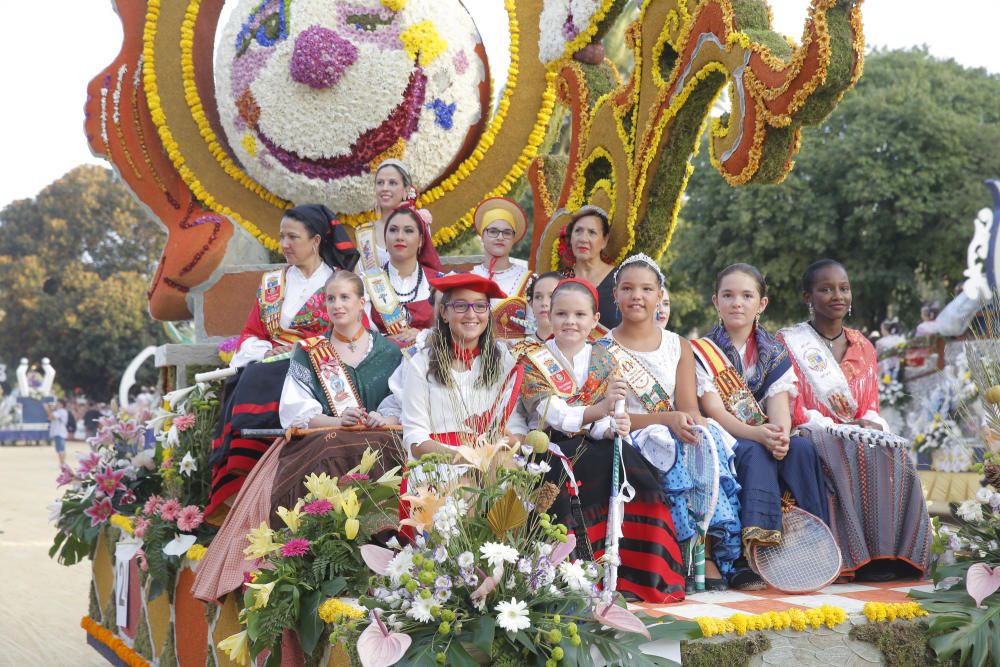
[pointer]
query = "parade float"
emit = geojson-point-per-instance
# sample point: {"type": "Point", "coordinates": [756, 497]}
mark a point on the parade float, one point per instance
{"type": "Point", "coordinates": [219, 129]}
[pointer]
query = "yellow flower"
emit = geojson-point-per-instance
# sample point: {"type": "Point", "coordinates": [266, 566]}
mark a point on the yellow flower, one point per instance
{"type": "Point", "coordinates": [323, 487]}
{"type": "Point", "coordinates": [886, 379]}
{"type": "Point", "coordinates": [261, 595]}
{"type": "Point", "coordinates": [237, 648]}
{"type": "Point", "coordinates": [123, 522]}
{"type": "Point", "coordinates": [261, 541]}
{"type": "Point", "coordinates": [422, 40]}
{"type": "Point", "coordinates": [394, 5]}
{"type": "Point", "coordinates": [350, 505]}
{"type": "Point", "coordinates": [368, 460]}
{"type": "Point", "coordinates": [168, 452]}
{"type": "Point", "coordinates": [334, 610]}
{"type": "Point", "coordinates": [291, 517]}
{"type": "Point", "coordinates": [196, 552]}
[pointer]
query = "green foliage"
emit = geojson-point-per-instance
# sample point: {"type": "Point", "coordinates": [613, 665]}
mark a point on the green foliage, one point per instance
{"type": "Point", "coordinates": [74, 266]}
{"type": "Point", "coordinates": [730, 653]}
{"type": "Point", "coordinates": [888, 185]}
{"type": "Point", "coordinates": [902, 643]}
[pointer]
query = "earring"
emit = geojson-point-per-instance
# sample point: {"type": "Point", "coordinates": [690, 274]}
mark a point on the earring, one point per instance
{"type": "Point", "coordinates": [756, 319]}
{"type": "Point", "coordinates": [618, 312]}
{"type": "Point", "coordinates": [721, 323]}
{"type": "Point", "coordinates": [849, 309]}
{"type": "Point", "coordinates": [812, 311]}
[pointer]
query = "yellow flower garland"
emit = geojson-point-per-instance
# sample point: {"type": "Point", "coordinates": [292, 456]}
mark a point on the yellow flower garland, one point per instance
{"type": "Point", "coordinates": [795, 619]}
{"type": "Point", "coordinates": [108, 638]}
{"type": "Point", "coordinates": [878, 612]}
{"type": "Point", "coordinates": [156, 113]}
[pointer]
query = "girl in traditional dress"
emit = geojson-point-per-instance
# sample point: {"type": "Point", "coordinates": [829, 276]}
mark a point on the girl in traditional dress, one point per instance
{"type": "Point", "coordinates": [587, 236]}
{"type": "Point", "coordinates": [501, 224]}
{"type": "Point", "coordinates": [289, 308]}
{"type": "Point", "coordinates": [569, 385]}
{"type": "Point", "coordinates": [662, 402]}
{"type": "Point", "coordinates": [461, 383]}
{"type": "Point", "coordinates": [332, 381]}
{"type": "Point", "coordinates": [393, 187]}
{"type": "Point", "coordinates": [878, 511]}
{"type": "Point", "coordinates": [745, 379]}
{"type": "Point", "coordinates": [539, 301]}
{"type": "Point", "coordinates": [400, 290]}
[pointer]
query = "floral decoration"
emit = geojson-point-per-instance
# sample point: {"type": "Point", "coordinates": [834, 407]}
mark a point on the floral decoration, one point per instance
{"type": "Point", "coordinates": [791, 619]}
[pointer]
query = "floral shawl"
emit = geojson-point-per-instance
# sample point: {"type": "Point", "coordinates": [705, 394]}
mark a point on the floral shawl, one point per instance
{"type": "Point", "coordinates": [772, 360]}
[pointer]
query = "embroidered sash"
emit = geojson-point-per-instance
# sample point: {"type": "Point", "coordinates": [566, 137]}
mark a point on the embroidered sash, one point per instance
{"type": "Point", "coordinates": [639, 379]}
{"type": "Point", "coordinates": [270, 298]}
{"type": "Point", "coordinates": [340, 392]}
{"type": "Point", "coordinates": [380, 290]}
{"type": "Point", "coordinates": [821, 370]}
{"type": "Point", "coordinates": [545, 362]}
{"type": "Point", "coordinates": [733, 389]}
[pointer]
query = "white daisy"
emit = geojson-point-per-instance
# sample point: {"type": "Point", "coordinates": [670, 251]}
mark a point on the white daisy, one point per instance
{"type": "Point", "coordinates": [420, 610]}
{"type": "Point", "coordinates": [513, 615]}
{"type": "Point", "coordinates": [401, 563]}
{"type": "Point", "coordinates": [971, 511]}
{"type": "Point", "coordinates": [466, 559]}
{"type": "Point", "coordinates": [574, 575]}
{"type": "Point", "coordinates": [498, 554]}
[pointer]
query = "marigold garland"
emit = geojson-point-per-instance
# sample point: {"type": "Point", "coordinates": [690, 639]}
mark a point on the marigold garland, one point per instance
{"type": "Point", "coordinates": [108, 638]}
{"type": "Point", "coordinates": [878, 612]}
{"type": "Point", "coordinates": [795, 619]}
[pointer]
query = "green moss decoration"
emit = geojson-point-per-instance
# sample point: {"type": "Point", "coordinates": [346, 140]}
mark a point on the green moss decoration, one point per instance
{"type": "Point", "coordinates": [774, 157]}
{"type": "Point", "coordinates": [108, 617]}
{"type": "Point", "coordinates": [902, 643]}
{"type": "Point", "coordinates": [732, 653]}
{"type": "Point", "coordinates": [827, 94]}
{"type": "Point", "coordinates": [143, 643]}
{"type": "Point", "coordinates": [169, 656]}
{"type": "Point", "coordinates": [601, 80]}
{"type": "Point", "coordinates": [94, 608]}
{"type": "Point", "coordinates": [609, 20]}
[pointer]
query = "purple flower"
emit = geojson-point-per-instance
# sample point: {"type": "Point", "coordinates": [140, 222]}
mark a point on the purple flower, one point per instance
{"type": "Point", "coordinates": [297, 547]}
{"type": "Point", "coordinates": [321, 57]}
{"type": "Point", "coordinates": [440, 555]}
{"type": "Point", "coordinates": [569, 30]}
{"type": "Point", "coordinates": [99, 511]}
{"type": "Point", "coordinates": [109, 481]}
{"type": "Point", "coordinates": [524, 566]}
{"type": "Point", "coordinates": [461, 62]}
{"type": "Point", "coordinates": [443, 113]}
{"type": "Point", "coordinates": [318, 507]}
{"type": "Point", "coordinates": [442, 582]}
{"type": "Point", "coordinates": [229, 345]}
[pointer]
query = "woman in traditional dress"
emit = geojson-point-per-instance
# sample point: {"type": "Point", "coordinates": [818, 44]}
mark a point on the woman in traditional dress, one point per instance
{"type": "Point", "coordinates": [745, 379]}
{"type": "Point", "coordinates": [399, 289]}
{"type": "Point", "coordinates": [332, 381]}
{"type": "Point", "coordinates": [659, 369]}
{"type": "Point", "coordinates": [289, 308]}
{"type": "Point", "coordinates": [501, 224]}
{"type": "Point", "coordinates": [569, 385]}
{"type": "Point", "coordinates": [878, 513]}
{"type": "Point", "coordinates": [393, 187]}
{"type": "Point", "coordinates": [461, 383]}
{"type": "Point", "coordinates": [587, 236]}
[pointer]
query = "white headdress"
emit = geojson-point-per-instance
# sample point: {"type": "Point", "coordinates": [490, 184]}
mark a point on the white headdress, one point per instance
{"type": "Point", "coordinates": [645, 259]}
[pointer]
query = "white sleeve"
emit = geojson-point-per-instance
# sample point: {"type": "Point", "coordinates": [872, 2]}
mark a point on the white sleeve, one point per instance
{"type": "Point", "coordinates": [251, 349]}
{"type": "Point", "coordinates": [414, 398]}
{"type": "Point", "coordinates": [297, 405]}
{"type": "Point", "coordinates": [602, 428]}
{"type": "Point", "coordinates": [787, 382]}
{"type": "Point", "coordinates": [873, 416]}
{"type": "Point", "coordinates": [560, 415]}
{"type": "Point", "coordinates": [704, 380]}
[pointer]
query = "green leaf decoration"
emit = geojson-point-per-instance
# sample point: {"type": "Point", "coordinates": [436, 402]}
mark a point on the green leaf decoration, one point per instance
{"type": "Point", "coordinates": [507, 514]}
{"type": "Point", "coordinates": [311, 626]}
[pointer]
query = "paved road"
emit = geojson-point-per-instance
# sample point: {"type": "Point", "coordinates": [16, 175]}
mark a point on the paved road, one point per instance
{"type": "Point", "coordinates": [41, 602]}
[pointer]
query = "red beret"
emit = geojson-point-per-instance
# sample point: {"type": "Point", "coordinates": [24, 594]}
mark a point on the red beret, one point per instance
{"type": "Point", "coordinates": [468, 281]}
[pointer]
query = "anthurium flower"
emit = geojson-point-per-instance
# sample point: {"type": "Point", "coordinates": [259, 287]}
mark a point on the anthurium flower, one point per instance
{"type": "Point", "coordinates": [237, 647]}
{"type": "Point", "coordinates": [377, 558]}
{"type": "Point", "coordinates": [618, 618]}
{"type": "Point", "coordinates": [982, 581]}
{"type": "Point", "coordinates": [377, 647]}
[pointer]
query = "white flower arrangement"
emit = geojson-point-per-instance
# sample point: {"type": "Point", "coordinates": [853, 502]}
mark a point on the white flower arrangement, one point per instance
{"type": "Point", "coordinates": [312, 99]}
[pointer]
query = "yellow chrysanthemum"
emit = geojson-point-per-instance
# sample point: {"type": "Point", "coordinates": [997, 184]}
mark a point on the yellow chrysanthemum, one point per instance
{"type": "Point", "coordinates": [421, 40]}
{"type": "Point", "coordinates": [394, 5]}
{"type": "Point", "coordinates": [196, 552]}
{"type": "Point", "coordinates": [261, 541]}
{"type": "Point", "coordinates": [334, 610]}
{"type": "Point", "coordinates": [123, 522]}
{"type": "Point", "coordinates": [237, 647]}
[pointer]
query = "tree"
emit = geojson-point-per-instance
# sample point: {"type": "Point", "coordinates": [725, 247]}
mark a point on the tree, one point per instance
{"type": "Point", "coordinates": [888, 185]}
{"type": "Point", "coordinates": [74, 266]}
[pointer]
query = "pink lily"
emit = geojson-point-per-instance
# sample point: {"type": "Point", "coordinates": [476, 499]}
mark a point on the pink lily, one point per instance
{"type": "Point", "coordinates": [377, 558]}
{"type": "Point", "coordinates": [65, 475]}
{"type": "Point", "coordinates": [377, 647]}
{"type": "Point", "coordinates": [88, 463]}
{"type": "Point", "coordinates": [110, 481]}
{"type": "Point", "coordinates": [99, 511]}
{"type": "Point", "coordinates": [982, 581]}
{"type": "Point", "coordinates": [618, 618]}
